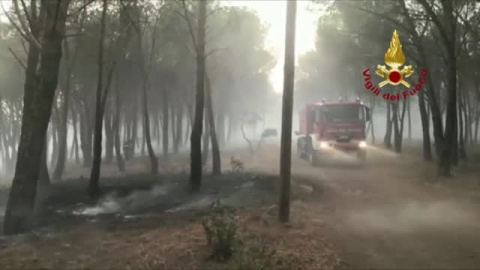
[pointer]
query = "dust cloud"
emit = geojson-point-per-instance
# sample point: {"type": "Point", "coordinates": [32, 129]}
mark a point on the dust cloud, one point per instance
{"type": "Point", "coordinates": [407, 217]}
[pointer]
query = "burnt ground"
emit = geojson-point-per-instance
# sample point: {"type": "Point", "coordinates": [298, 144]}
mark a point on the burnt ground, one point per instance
{"type": "Point", "coordinates": [145, 221]}
{"type": "Point", "coordinates": [390, 214]}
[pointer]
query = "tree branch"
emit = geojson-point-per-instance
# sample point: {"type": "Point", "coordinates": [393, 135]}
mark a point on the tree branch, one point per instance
{"type": "Point", "coordinates": [17, 58]}
{"type": "Point", "coordinates": [435, 20]}
{"type": "Point", "coordinates": [190, 28]}
{"type": "Point", "coordinates": [26, 35]}
{"type": "Point", "coordinates": [214, 51]}
{"type": "Point", "coordinates": [381, 15]}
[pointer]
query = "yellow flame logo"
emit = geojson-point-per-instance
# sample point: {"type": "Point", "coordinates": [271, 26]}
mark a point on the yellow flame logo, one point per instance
{"type": "Point", "coordinates": [394, 58]}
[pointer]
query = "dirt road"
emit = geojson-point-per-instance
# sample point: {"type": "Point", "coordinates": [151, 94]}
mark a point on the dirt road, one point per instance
{"type": "Point", "coordinates": [387, 216]}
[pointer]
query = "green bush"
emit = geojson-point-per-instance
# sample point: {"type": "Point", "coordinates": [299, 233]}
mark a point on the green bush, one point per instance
{"type": "Point", "coordinates": [221, 231]}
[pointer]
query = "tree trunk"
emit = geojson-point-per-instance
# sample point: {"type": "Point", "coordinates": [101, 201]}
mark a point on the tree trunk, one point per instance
{"type": "Point", "coordinates": [134, 128]}
{"type": "Point", "coordinates": [109, 137]}
{"type": "Point", "coordinates": [93, 188]}
{"type": "Point", "coordinates": [116, 130]}
{"type": "Point", "coordinates": [221, 127]}
{"type": "Point", "coordinates": [197, 129]}
{"type": "Point", "coordinates": [287, 110]}
{"type": "Point", "coordinates": [460, 125]}
{"type": "Point", "coordinates": [427, 144]}
{"type": "Point", "coordinates": [447, 29]}
{"type": "Point", "coordinates": [63, 128]}
{"type": "Point", "coordinates": [397, 140]}
{"type": "Point", "coordinates": [179, 127]}
{"type": "Point", "coordinates": [450, 125]}
{"type": "Point", "coordinates": [54, 135]}
{"type": "Point", "coordinates": [387, 140]}
{"type": "Point", "coordinates": [430, 86]}
{"type": "Point", "coordinates": [38, 98]}
{"type": "Point", "coordinates": [409, 119]}
{"type": "Point", "coordinates": [370, 123]}
{"type": "Point", "coordinates": [146, 126]}
{"type": "Point", "coordinates": [166, 125]}
{"type": "Point", "coordinates": [216, 160]}
{"type": "Point", "coordinates": [86, 138]}
{"type": "Point", "coordinates": [74, 150]}
{"type": "Point", "coordinates": [206, 142]}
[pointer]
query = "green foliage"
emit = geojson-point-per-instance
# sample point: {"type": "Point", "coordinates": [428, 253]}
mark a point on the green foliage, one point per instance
{"type": "Point", "coordinates": [221, 231]}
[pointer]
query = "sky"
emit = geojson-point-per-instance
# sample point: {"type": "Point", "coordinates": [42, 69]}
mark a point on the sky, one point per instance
{"type": "Point", "coordinates": [273, 14]}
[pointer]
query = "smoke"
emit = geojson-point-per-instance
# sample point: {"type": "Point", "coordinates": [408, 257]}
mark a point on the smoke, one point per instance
{"type": "Point", "coordinates": [411, 216]}
{"type": "Point", "coordinates": [112, 203]}
{"type": "Point", "coordinates": [195, 204]}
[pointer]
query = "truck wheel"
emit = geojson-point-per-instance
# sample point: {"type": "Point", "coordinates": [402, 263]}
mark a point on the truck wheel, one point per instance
{"type": "Point", "coordinates": [301, 148]}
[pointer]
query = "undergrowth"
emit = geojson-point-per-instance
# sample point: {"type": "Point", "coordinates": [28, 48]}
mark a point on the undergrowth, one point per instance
{"type": "Point", "coordinates": [231, 249]}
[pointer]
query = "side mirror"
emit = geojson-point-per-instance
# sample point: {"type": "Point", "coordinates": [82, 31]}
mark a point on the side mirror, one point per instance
{"type": "Point", "coordinates": [367, 114]}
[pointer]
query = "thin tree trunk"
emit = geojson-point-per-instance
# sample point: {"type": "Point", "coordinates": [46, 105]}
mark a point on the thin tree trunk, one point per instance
{"type": "Point", "coordinates": [54, 136]}
{"type": "Point", "coordinates": [387, 140]}
{"type": "Point", "coordinates": [287, 110]}
{"type": "Point", "coordinates": [86, 138]}
{"type": "Point", "coordinates": [462, 155]}
{"type": "Point", "coordinates": [179, 127]}
{"type": "Point", "coordinates": [116, 130]}
{"type": "Point", "coordinates": [216, 160]}
{"type": "Point", "coordinates": [63, 129]}
{"type": "Point", "coordinates": [206, 142]}
{"type": "Point", "coordinates": [166, 125]}
{"type": "Point", "coordinates": [93, 188]}
{"type": "Point", "coordinates": [396, 128]}
{"type": "Point", "coordinates": [197, 129]}
{"type": "Point", "coordinates": [146, 125]}
{"type": "Point", "coordinates": [409, 119]}
{"type": "Point", "coordinates": [427, 144]}
{"type": "Point", "coordinates": [134, 127]}
{"type": "Point", "coordinates": [221, 127]}
{"type": "Point", "coordinates": [371, 124]}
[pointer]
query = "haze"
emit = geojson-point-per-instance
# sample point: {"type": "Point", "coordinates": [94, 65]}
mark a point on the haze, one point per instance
{"type": "Point", "coordinates": [185, 134]}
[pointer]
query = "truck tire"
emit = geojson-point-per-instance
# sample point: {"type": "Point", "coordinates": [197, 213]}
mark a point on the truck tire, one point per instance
{"type": "Point", "coordinates": [302, 153]}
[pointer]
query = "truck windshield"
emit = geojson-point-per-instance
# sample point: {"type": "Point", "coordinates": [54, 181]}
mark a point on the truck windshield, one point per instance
{"type": "Point", "coordinates": [343, 113]}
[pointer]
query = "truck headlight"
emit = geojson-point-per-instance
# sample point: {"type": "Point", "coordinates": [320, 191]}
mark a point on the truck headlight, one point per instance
{"type": "Point", "coordinates": [323, 145]}
{"type": "Point", "coordinates": [362, 144]}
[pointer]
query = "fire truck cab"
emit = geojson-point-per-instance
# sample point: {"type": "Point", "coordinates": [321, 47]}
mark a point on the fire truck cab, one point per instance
{"type": "Point", "coordinates": [326, 127]}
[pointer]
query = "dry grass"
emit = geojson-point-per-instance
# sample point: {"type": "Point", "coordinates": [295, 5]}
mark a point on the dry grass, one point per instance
{"type": "Point", "coordinates": [179, 245]}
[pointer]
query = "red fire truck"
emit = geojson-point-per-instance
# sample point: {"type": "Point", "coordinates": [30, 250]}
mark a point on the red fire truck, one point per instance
{"type": "Point", "coordinates": [327, 127]}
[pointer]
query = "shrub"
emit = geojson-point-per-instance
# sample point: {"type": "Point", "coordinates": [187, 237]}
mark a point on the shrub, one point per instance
{"type": "Point", "coordinates": [221, 231]}
{"type": "Point", "coordinates": [236, 164]}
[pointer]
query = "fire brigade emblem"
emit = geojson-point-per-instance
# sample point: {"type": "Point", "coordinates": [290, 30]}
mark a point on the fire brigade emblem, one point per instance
{"type": "Point", "coordinates": [394, 58]}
